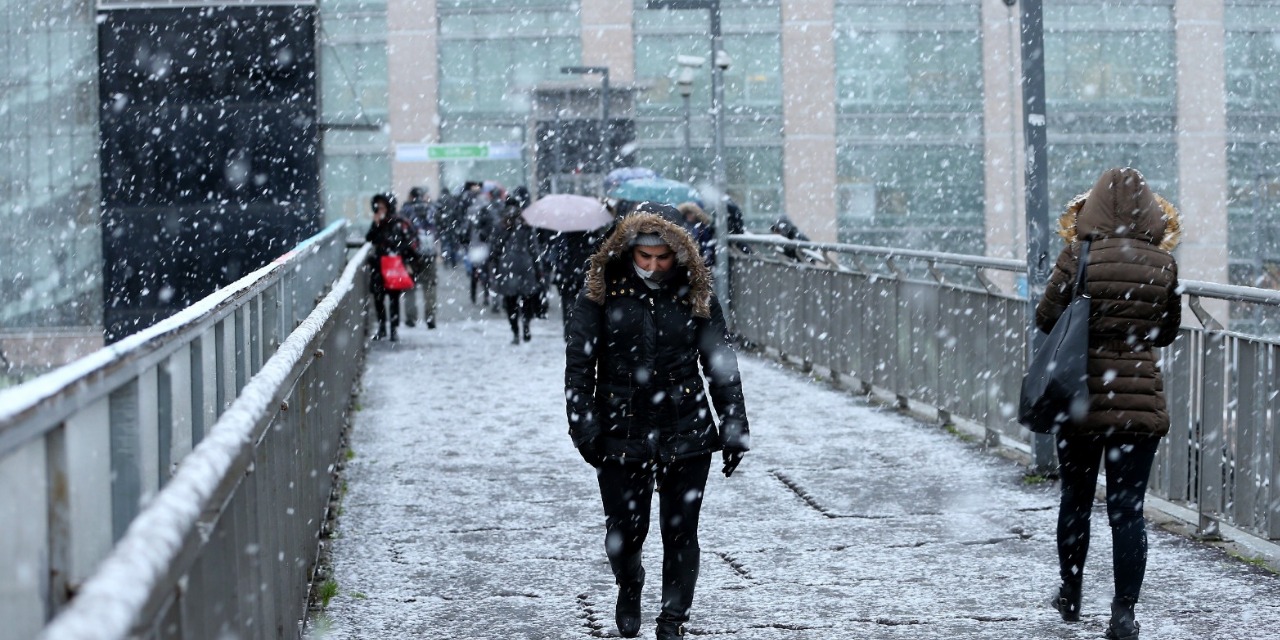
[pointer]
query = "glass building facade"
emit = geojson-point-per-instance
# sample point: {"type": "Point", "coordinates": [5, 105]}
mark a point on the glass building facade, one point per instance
{"type": "Point", "coordinates": [909, 130]}
{"type": "Point", "coordinates": [353, 105]}
{"type": "Point", "coordinates": [492, 54]}
{"type": "Point", "coordinates": [50, 249]}
{"type": "Point", "coordinates": [752, 95]}
{"type": "Point", "coordinates": [1253, 141]}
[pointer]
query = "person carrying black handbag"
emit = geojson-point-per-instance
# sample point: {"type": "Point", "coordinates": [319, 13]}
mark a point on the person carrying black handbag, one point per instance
{"type": "Point", "coordinates": [1132, 283]}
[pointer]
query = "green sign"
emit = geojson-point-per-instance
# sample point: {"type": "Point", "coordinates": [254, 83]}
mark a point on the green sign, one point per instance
{"type": "Point", "coordinates": [457, 151]}
{"type": "Point", "coordinates": [420, 152]}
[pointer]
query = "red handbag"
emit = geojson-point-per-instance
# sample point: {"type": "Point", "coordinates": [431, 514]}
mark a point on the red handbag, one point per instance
{"type": "Point", "coordinates": [395, 277]}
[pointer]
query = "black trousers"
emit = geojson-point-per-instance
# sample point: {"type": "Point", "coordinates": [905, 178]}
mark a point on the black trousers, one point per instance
{"type": "Point", "coordinates": [627, 493]}
{"type": "Point", "coordinates": [519, 307]}
{"type": "Point", "coordinates": [380, 300]}
{"type": "Point", "coordinates": [1128, 467]}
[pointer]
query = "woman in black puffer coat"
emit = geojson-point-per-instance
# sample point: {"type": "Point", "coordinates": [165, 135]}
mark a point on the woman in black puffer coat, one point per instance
{"type": "Point", "coordinates": [644, 333]}
{"type": "Point", "coordinates": [1135, 307]}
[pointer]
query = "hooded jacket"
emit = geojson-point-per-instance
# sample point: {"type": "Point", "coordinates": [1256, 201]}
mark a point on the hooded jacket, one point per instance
{"type": "Point", "coordinates": [1132, 280]}
{"type": "Point", "coordinates": [636, 356]}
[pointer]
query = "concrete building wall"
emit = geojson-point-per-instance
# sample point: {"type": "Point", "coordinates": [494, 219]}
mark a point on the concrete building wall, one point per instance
{"type": "Point", "coordinates": [809, 116]}
{"type": "Point", "coordinates": [1202, 141]}
{"type": "Point", "coordinates": [413, 70]}
{"type": "Point", "coordinates": [608, 38]}
{"type": "Point", "coordinates": [1004, 159]}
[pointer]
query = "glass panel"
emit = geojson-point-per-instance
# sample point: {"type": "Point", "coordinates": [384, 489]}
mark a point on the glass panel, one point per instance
{"type": "Point", "coordinates": [1253, 151]}
{"type": "Point", "coordinates": [909, 157]}
{"type": "Point", "coordinates": [50, 274]}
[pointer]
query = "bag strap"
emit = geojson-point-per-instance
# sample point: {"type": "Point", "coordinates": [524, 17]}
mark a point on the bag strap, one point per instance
{"type": "Point", "coordinates": [1080, 270]}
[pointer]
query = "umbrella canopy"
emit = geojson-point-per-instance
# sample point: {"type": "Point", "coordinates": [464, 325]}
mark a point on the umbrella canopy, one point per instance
{"type": "Point", "coordinates": [623, 174]}
{"type": "Point", "coordinates": [656, 190]}
{"type": "Point", "coordinates": [567, 212]}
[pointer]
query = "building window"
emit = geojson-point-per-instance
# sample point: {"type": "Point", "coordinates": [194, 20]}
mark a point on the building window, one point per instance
{"type": "Point", "coordinates": [909, 132]}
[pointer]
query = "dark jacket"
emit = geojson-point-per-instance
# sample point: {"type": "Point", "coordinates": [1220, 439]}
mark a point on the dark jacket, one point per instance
{"type": "Point", "coordinates": [516, 257]}
{"type": "Point", "coordinates": [395, 236]}
{"type": "Point", "coordinates": [636, 356]}
{"type": "Point", "coordinates": [1133, 282]}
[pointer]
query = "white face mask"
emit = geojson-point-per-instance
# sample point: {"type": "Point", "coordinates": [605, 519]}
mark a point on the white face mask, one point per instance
{"type": "Point", "coordinates": [656, 277]}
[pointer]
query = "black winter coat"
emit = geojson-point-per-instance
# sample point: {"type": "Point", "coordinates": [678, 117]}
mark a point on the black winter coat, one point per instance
{"type": "Point", "coordinates": [395, 236]}
{"type": "Point", "coordinates": [635, 363]}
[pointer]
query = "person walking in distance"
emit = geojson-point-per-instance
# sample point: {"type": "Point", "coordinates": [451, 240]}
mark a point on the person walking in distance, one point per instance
{"type": "Point", "coordinates": [390, 235]}
{"type": "Point", "coordinates": [421, 213]}
{"type": "Point", "coordinates": [1135, 307]}
{"type": "Point", "coordinates": [645, 332]}
{"type": "Point", "coordinates": [516, 258]}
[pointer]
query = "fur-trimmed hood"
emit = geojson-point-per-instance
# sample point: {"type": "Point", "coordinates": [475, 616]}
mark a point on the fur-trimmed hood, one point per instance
{"type": "Point", "coordinates": [1124, 207]}
{"type": "Point", "coordinates": [615, 254]}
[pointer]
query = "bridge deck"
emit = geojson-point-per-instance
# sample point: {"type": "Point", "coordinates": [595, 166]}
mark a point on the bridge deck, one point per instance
{"type": "Point", "coordinates": [468, 514]}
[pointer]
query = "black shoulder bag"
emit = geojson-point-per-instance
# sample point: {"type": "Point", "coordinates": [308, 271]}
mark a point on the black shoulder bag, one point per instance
{"type": "Point", "coordinates": [1055, 389]}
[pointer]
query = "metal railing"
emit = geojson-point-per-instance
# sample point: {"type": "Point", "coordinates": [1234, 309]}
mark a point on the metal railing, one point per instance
{"type": "Point", "coordinates": [939, 329]}
{"type": "Point", "coordinates": [173, 483]}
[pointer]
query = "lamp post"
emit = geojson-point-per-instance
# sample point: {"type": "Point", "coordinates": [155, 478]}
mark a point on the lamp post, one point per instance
{"type": "Point", "coordinates": [684, 82]}
{"type": "Point", "coordinates": [719, 62]}
{"type": "Point", "coordinates": [605, 154]}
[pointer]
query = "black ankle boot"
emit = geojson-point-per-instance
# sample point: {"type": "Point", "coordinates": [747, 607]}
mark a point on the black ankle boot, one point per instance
{"type": "Point", "coordinates": [1122, 625]}
{"type": "Point", "coordinates": [1067, 602]}
{"type": "Point", "coordinates": [627, 611]}
{"type": "Point", "coordinates": [382, 332]}
{"type": "Point", "coordinates": [668, 630]}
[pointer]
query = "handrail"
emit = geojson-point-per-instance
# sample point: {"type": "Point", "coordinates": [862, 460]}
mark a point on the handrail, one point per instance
{"type": "Point", "coordinates": [1232, 293]}
{"type": "Point", "coordinates": [31, 408]}
{"type": "Point", "coordinates": [160, 544]}
{"type": "Point", "coordinates": [959, 349]}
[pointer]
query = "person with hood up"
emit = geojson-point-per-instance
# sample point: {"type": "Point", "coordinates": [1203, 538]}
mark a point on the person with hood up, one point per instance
{"type": "Point", "coordinates": [516, 260]}
{"type": "Point", "coordinates": [1135, 307]}
{"type": "Point", "coordinates": [390, 235]}
{"type": "Point", "coordinates": [645, 332]}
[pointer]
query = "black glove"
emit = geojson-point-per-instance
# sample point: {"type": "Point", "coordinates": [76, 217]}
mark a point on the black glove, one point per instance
{"type": "Point", "coordinates": [590, 452]}
{"type": "Point", "coordinates": [732, 457]}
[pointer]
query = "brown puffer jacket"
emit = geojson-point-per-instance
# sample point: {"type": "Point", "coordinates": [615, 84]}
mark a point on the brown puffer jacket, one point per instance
{"type": "Point", "coordinates": [1133, 282]}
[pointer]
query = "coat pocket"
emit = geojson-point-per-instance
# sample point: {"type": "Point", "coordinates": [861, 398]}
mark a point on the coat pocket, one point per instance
{"type": "Point", "coordinates": [617, 412]}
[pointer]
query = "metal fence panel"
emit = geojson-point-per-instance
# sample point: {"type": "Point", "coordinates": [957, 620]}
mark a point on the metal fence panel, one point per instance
{"type": "Point", "coordinates": [963, 351]}
{"type": "Point", "coordinates": [24, 547]}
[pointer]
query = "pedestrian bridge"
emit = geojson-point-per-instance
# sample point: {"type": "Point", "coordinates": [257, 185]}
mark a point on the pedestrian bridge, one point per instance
{"type": "Point", "coordinates": [194, 480]}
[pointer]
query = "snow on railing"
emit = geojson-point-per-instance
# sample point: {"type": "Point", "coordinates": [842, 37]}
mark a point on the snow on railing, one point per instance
{"type": "Point", "coordinates": [948, 332]}
{"type": "Point", "coordinates": [94, 441]}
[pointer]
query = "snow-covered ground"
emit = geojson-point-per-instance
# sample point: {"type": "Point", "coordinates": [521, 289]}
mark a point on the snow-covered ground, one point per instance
{"type": "Point", "coordinates": [469, 515]}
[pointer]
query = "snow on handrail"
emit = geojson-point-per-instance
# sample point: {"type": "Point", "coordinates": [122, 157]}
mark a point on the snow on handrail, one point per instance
{"type": "Point", "coordinates": [112, 599]}
{"type": "Point", "coordinates": [23, 400]}
{"type": "Point", "coordinates": [1199, 288]}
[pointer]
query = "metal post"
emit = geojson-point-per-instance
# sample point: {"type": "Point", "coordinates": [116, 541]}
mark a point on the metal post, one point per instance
{"type": "Point", "coordinates": [719, 179]}
{"type": "Point", "coordinates": [721, 212]}
{"type": "Point", "coordinates": [1037, 195]}
{"type": "Point", "coordinates": [606, 154]}
{"type": "Point", "coordinates": [686, 158]}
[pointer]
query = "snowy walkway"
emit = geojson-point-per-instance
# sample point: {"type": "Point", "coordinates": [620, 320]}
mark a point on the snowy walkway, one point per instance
{"type": "Point", "coordinates": [469, 515]}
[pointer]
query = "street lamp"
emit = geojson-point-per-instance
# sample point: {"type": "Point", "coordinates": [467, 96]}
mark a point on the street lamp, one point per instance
{"type": "Point", "coordinates": [604, 112]}
{"type": "Point", "coordinates": [684, 82]}
{"type": "Point", "coordinates": [720, 62]}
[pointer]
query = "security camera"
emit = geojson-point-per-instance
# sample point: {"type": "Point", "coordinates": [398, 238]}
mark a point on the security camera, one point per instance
{"type": "Point", "coordinates": [723, 60]}
{"type": "Point", "coordinates": [690, 61]}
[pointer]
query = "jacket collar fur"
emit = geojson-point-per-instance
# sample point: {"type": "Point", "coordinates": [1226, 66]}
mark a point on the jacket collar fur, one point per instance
{"type": "Point", "coordinates": [1121, 205]}
{"type": "Point", "coordinates": [615, 254]}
